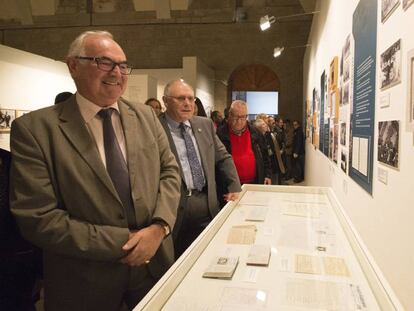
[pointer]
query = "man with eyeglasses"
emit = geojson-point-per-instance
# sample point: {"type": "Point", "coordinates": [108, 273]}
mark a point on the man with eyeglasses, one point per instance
{"type": "Point", "coordinates": [246, 146]}
{"type": "Point", "coordinates": [200, 154]}
{"type": "Point", "coordinates": [96, 186]}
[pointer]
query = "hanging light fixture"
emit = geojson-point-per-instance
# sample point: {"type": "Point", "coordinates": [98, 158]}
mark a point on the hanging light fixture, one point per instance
{"type": "Point", "coordinates": [266, 21]}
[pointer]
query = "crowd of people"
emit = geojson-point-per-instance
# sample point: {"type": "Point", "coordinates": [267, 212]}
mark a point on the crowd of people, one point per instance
{"type": "Point", "coordinates": [112, 192]}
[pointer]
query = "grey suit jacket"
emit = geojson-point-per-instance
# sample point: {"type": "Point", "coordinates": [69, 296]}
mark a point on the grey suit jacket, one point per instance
{"type": "Point", "coordinates": [214, 156]}
{"type": "Point", "coordinates": [64, 200]}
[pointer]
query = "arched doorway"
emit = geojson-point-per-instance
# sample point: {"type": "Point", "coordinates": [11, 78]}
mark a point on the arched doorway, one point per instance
{"type": "Point", "coordinates": [254, 77]}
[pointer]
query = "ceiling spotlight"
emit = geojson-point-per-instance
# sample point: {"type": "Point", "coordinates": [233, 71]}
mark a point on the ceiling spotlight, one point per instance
{"type": "Point", "coordinates": [266, 21]}
{"type": "Point", "coordinates": [277, 51]}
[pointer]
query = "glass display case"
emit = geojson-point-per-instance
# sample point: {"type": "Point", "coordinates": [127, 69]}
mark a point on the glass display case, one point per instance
{"type": "Point", "coordinates": [317, 260]}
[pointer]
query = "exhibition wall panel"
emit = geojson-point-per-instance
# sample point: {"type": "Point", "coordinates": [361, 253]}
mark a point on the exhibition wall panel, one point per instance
{"type": "Point", "coordinates": [28, 82]}
{"type": "Point", "coordinates": [383, 218]}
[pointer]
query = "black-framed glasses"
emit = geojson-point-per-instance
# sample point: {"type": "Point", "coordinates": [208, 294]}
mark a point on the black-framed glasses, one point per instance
{"type": "Point", "coordinates": [107, 64]}
{"type": "Point", "coordinates": [182, 99]}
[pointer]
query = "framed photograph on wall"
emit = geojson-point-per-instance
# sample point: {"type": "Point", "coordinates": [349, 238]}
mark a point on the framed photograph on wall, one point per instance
{"type": "Point", "coordinates": [406, 4]}
{"type": "Point", "coordinates": [390, 64]}
{"type": "Point", "coordinates": [387, 7]}
{"type": "Point", "coordinates": [343, 134]}
{"type": "Point", "coordinates": [410, 90]}
{"type": "Point", "coordinates": [333, 73]}
{"type": "Point", "coordinates": [388, 142]}
{"type": "Point", "coordinates": [7, 116]}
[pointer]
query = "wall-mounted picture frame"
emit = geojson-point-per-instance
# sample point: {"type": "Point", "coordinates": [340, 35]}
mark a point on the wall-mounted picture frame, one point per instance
{"type": "Point", "coordinates": [387, 8]}
{"type": "Point", "coordinates": [344, 160]}
{"type": "Point", "coordinates": [7, 116]}
{"type": "Point", "coordinates": [410, 90]}
{"type": "Point", "coordinates": [390, 64]}
{"type": "Point", "coordinates": [407, 3]}
{"type": "Point", "coordinates": [347, 69]}
{"type": "Point", "coordinates": [345, 94]}
{"type": "Point", "coordinates": [343, 134]}
{"type": "Point", "coordinates": [333, 73]}
{"type": "Point", "coordinates": [388, 143]}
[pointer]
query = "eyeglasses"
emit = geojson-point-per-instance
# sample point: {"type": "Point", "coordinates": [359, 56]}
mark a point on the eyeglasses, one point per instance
{"type": "Point", "coordinates": [107, 64]}
{"type": "Point", "coordinates": [238, 118]}
{"type": "Point", "coordinates": [182, 99]}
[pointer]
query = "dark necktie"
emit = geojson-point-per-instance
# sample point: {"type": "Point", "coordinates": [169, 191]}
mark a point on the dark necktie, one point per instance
{"type": "Point", "coordinates": [195, 166]}
{"type": "Point", "coordinates": [116, 166]}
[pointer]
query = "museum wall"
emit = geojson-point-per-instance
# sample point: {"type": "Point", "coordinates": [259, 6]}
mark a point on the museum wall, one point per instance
{"type": "Point", "coordinates": [29, 82]}
{"type": "Point", "coordinates": [384, 217]}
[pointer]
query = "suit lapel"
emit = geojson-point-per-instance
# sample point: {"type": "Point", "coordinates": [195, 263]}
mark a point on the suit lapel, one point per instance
{"type": "Point", "coordinates": [132, 133]}
{"type": "Point", "coordinates": [74, 128]}
{"type": "Point", "coordinates": [202, 142]}
{"type": "Point", "coordinates": [164, 124]}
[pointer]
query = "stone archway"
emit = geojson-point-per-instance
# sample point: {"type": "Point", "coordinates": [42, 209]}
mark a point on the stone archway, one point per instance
{"type": "Point", "coordinates": [254, 77]}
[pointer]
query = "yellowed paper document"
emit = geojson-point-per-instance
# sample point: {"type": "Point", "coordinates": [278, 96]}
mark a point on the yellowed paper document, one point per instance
{"type": "Point", "coordinates": [242, 234]}
{"type": "Point", "coordinates": [307, 264]}
{"type": "Point", "coordinates": [335, 266]}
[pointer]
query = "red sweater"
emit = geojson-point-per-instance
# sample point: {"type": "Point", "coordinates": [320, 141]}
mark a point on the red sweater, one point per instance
{"type": "Point", "coordinates": [243, 156]}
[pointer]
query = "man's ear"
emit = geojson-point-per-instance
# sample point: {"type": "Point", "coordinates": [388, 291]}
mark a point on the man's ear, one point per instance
{"type": "Point", "coordinates": [164, 99]}
{"type": "Point", "coordinates": [72, 65]}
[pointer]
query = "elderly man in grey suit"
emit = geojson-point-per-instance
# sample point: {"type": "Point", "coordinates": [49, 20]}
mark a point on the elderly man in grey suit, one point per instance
{"type": "Point", "coordinates": [199, 154]}
{"type": "Point", "coordinates": [96, 186]}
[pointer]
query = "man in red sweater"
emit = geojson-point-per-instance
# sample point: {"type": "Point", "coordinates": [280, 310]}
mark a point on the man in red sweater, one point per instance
{"type": "Point", "coordinates": [246, 146]}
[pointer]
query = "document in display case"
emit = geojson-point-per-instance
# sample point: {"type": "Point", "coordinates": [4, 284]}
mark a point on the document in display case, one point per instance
{"type": "Point", "coordinates": [297, 251]}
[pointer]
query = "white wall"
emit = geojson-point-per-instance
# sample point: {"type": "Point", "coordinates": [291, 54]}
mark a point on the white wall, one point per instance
{"type": "Point", "coordinates": [29, 82]}
{"type": "Point", "coordinates": [162, 76]}
{"type": "Point", "coordinates": [195, 72]}
{"type": "Point", "coordinates": [140, 88]}
{"type": "Point", "coordinates": [385, 219]}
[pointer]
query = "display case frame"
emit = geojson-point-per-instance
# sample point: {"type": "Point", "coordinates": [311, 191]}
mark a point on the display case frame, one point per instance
{"type": "Point", "coordinates": [159, 296]}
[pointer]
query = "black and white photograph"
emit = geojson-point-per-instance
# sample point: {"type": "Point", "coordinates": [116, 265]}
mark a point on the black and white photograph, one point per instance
{"type": "Point", "coordinates": [390, 63]}
{"type": "Point", "coordinates": [331, 143]}
{"type": "Point", "coordinates": [347, 69]}
{"type": "Point", "coordinates": [346, 50]}
{"type": "Point", "coordinates": [387, 7]}
{"type": "Point", "coordinates": [388, 142]}
{"type": "Point", "coordinates": [343, 134]}
{"type": "Point", "coordinates": [406, 4]}
{"type": "Point", "coordinates": [344, 160]}
{"type": "Point", "coordinates": [7, 116]}
{"type": "Point", "coordinates": [335, 143]}
{"type": "Point", "coordinates": [345, 94]}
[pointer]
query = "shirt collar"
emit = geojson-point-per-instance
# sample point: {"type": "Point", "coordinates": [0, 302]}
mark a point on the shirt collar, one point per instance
{"type": "Point", "coordinates": [174, 124]}
{"type": "Point", "coordinates": [88, 109]}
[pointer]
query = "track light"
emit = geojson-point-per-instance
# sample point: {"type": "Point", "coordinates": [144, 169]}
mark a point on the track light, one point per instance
{"type": "Point", "coordinates": [277, 51]}
{"type": "Point", "coordinates": [266, 21]}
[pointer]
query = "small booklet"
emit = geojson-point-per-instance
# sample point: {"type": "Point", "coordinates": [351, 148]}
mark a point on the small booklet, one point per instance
{"type": "Point", "coordinates": [221, 267]}
{"type": "Point", "coordinates": [259, 255]}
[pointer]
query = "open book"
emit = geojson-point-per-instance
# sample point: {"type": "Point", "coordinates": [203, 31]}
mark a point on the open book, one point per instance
{"type": "Point", "coordinates": [221, 267]}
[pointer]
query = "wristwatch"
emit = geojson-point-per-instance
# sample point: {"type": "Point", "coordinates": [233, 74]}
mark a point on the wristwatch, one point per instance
{"type": "Point", "coordinates": [164, 225]}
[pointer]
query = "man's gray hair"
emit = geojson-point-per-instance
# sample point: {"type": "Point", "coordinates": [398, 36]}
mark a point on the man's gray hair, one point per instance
{"type": "Point", "coordinates": [77, 46]}
{"type": "Point", "coordinates": [168, 86]}
{"type": "Point", "coordinates": [237, 103]}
